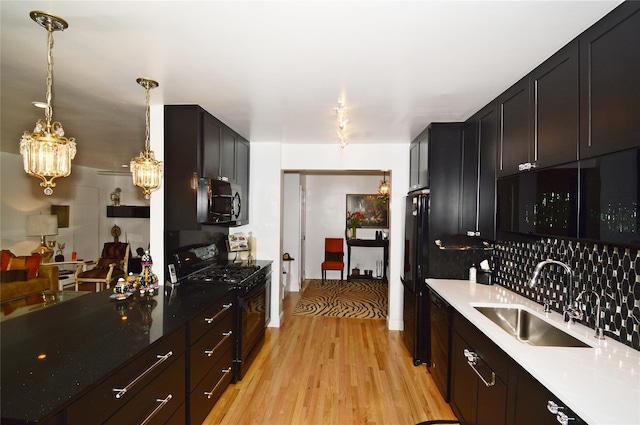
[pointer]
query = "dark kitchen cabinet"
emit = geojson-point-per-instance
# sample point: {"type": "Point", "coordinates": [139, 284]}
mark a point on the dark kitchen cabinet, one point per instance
{"type": "Point", "coordinates": [419, 162]}
{"type": "Point", "coordinates": [513, 147]}
{"type": "Point", "coordinates": [610, 83]}
{"type": "Point", "coordinates": [234, 166]}
{"type": "Point", "coordinates": [212, 130]}
{"type": "Point", "coordinates": [539, 116]}
{"type": "Point", "coordinates": [183, 143]}
{"type": "Point", "coordinates": [480, 139]}
{"type": "Point", "coordinates": [529, 402]}
{"type": "Point", "coordinates": [479, 376]}
{"type": "Point", "coordinates": [554, 109]}
{"type": "Point", "coordinates": [199, 145]}
{"type": "Point", "coordinates": [440, 331]}
{"type": "Point", "coordinates": [211, 340]}
{"type": "Point", "coordinates": [158, 373]}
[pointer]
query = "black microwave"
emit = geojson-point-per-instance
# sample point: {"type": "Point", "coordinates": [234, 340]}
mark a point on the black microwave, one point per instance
{"type": "Point", "coordinates": [218, 202]}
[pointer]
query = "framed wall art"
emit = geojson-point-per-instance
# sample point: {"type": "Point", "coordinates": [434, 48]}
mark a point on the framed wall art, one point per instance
{"type": "Point", "coordinates": [374, 208]}
{"type": "Point", "coordinates": [62, 211]}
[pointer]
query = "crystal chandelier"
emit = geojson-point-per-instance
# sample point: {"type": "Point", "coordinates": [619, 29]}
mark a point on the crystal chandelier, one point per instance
{"type": "Point", "coordinates": [341, 110]}
{"type": "Point", "coordinates": [145, 169]}
{"type": "Point", "coordinates": [46, 153]}
{"type": "Point", "coordinates": [384, 189]}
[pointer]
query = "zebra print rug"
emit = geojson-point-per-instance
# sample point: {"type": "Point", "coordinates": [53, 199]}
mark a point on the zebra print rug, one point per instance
{"type": "Point", "coordinates": [360, 299]}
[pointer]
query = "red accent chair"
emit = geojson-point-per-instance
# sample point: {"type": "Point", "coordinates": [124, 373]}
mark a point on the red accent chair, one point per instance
{"type": "Point", "coordinates": [333, 257]}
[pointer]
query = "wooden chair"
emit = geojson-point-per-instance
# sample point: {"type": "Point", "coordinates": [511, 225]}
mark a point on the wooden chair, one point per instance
{"type": "Point", "coordinates": [112, 264]}
{"type": "Point", "coordinates": [333, 256]}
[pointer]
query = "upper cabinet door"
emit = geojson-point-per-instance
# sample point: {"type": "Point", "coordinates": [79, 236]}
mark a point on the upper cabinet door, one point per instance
{"type": "Point", "coordinates": [610, 83]}
{"type": "Point", "coordinates": [419, 161]}
{"type": "Point", "coordinates": [554, 108]}
{"type": "Point", "coordinates": [228, 154]}
{"type": "Point", "coordinates": [513, 153]}
{"type": "Point", "coordinates": [211, 134]}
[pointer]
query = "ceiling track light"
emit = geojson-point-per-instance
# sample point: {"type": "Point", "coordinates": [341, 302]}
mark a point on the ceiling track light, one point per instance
{"type": "Point", "coordinates": [146, 171]}
{"type": "Point", "coordinates": [341, 111]}
{"type": "Point", "coordinates": [46, 153]}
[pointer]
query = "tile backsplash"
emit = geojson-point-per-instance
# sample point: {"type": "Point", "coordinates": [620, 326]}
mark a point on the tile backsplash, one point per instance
{"type": "Point", "coordinates": [610, 271]}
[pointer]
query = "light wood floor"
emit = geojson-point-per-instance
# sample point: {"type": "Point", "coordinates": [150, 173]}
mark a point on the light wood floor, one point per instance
{"type": "Point", "coordinates": [323, 371]}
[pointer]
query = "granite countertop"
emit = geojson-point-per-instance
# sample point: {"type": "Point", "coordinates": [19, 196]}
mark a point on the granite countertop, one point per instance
{"type": "Point", "coordinates": [54, 354]}
{"type": "Point", "coordinates": [600, 384]}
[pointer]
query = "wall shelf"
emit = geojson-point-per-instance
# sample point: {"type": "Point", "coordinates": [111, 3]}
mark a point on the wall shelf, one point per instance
{"type": "Point", "coordinates": [130, 211]}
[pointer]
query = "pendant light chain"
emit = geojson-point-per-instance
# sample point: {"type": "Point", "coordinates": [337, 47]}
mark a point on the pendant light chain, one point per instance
{"type": "Point", "coordinates": [48, 113]}
{"type": "Point", "coordinates": [147, 121]}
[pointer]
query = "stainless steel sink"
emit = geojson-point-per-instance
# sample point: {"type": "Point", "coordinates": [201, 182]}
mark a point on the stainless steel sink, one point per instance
{"type": "Point", "coordinates": [529, 328]}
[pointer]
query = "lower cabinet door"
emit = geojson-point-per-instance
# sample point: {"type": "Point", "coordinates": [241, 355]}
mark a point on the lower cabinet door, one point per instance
{"type": "Point", "coordinates": [464, 383]}
{"type": "Point", "coordinates": [158, 401]}
{"type": "Point", "coordinates": [479, 395]}
{"type": "Point", "coordinates": [204, 396]}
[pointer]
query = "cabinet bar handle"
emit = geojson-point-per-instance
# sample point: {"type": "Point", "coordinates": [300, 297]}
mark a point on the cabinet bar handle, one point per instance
{"type": "Point", "coordinates": [162, 402]}
{"type": "Point", "coordinates": [162, 358]}
{"type": "Point", "coordinates": [472, 360]}
{"type": "Point", "coordinates": [224, 373]}
{"type": "Point", "coordinates": [225, 307]}
{"type": "Point", "coordinates": [226, 335]}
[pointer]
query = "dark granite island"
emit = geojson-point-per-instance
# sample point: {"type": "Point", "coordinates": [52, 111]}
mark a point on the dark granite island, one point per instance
{"type": "Point", "coordinates": [54, 359]}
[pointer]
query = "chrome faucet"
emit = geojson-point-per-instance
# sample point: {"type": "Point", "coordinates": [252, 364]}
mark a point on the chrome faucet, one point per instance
{"type": "Point", "coordinates": [569, 312]}
{"type": "Point", "coordinates": [599, 320]}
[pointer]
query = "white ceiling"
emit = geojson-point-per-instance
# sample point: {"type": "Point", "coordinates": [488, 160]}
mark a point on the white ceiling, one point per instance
{"type": "Point", "coordinates": [272, 70]}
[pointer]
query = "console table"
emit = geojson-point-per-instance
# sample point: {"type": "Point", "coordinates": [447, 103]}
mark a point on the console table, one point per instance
{"type": "Point", "coordinates": [368, 243]}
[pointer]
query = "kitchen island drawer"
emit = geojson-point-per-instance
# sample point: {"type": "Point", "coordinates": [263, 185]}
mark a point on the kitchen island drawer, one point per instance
{"type": "Point", "coordinates": [126, 382]}
{"type": "Point", "coordinates": [209, 349]}
{"type": "Point", "coordinates": [205, 395]}
{"type": "Point", "coordinates": [208, 319]}
{"type": "Point", "coordinates": [155, 403]}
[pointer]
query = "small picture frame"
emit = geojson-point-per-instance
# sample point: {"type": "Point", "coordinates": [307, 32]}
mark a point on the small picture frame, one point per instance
{"type": "Point", "coordinates": [62, 211]}
{"type": "Point", "coordinates": [374, 208]}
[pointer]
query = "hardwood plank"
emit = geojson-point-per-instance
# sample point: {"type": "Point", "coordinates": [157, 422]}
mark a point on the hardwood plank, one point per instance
{"type": "Point", "coordinates": [325, 370]}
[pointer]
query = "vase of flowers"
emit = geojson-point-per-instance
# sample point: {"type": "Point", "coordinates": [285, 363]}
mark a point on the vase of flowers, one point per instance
{"type": "Point", "coordinates": [354, 220]}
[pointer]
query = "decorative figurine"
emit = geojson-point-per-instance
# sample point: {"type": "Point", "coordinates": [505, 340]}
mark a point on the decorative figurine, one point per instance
{"type": "Point", "coordinates": [147, 281]}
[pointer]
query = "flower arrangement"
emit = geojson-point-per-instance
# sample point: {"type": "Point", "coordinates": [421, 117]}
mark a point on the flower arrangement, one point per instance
{"type": "Point", "coordinates": [354, 219]}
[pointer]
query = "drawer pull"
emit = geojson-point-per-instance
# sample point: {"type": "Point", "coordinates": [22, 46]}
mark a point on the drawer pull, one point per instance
{"type": "Point", "coordinates": [161, 359]}
{"type": "Point", "coordinates": [472, 360]}
{"type": "Point", "coordinates": [225, 307]}
{"type": "Point", "coordinates": [226, 336]}
{"type": "Point", "coordinates": [209, 394]}
{"type": "Point", "coordinates": [162, 402]}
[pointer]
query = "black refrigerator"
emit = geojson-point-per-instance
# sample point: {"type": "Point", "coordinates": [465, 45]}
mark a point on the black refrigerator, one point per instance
{"type": "Point", "coordinates": [416, 297]}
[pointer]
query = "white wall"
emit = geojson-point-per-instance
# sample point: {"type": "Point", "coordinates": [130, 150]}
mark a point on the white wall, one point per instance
{"type": "Point", "coordinates": [291, 231]}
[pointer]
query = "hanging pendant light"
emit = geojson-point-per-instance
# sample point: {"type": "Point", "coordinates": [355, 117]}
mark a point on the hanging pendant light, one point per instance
{"type": "Point", "coordinates": [384, 189]}
{"type": "Point", "coordinates": [46, 153]}
{"type": "Point", "coordinates": [145, 169]}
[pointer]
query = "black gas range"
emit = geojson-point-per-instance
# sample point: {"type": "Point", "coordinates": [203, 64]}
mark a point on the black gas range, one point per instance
{"type": "Point", "coordinates": [200, 265]}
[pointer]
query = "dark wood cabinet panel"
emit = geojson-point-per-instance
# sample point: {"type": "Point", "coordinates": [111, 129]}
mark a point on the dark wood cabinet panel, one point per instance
{"type": "Point", "coordinates": [514, 128]}
{"type": "Point", "coordinates": [440, 331]}
{"type": "Point", "coordinates": [211, 145]}
{"type": "Point", "coordinates": [183, 159]}
{"type": "Point", "coordinates": [228, 154]}
{"type": "Point", "coordinates": [419, 161]}
{"type": "Point", "coordinates": [243, 166]}
{"type": "Point", "coordinates": [480, 371]}
{"type": "Point", "coordinates": [529, 399]}
{"type": "Point", "coordinates": [464, 383]}
{"type": "Point", "coordinates": [554, 106]}
{"type": "Point", "coordinates": [480, 139]}
{"type": "Point", "coordinates": [610, 83]}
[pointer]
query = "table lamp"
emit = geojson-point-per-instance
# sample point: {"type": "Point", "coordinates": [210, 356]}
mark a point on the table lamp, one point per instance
{"type": "Point", "coordinates": [42, 226]}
